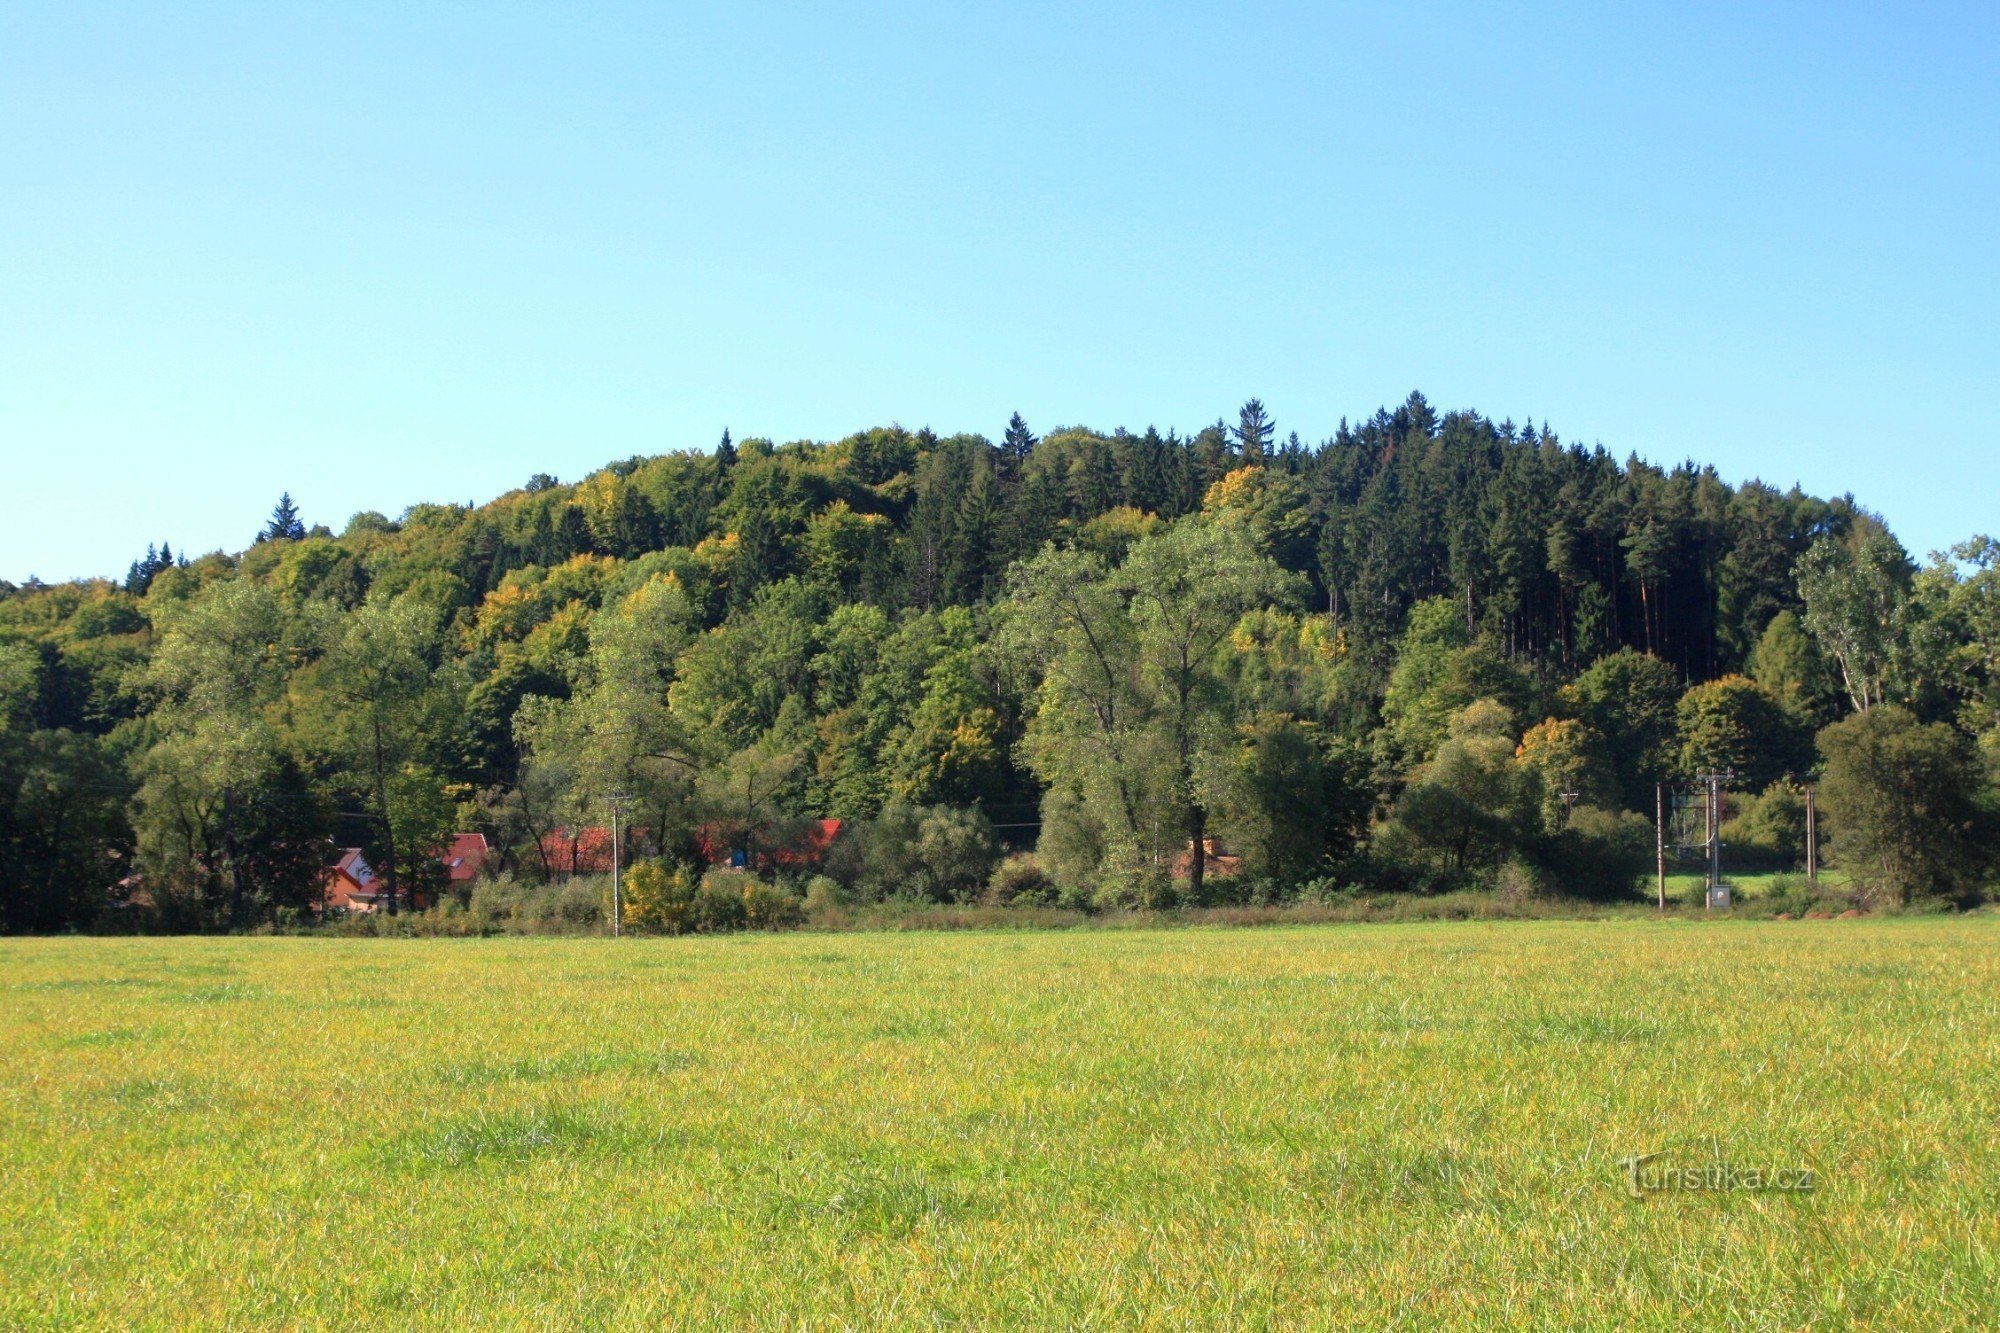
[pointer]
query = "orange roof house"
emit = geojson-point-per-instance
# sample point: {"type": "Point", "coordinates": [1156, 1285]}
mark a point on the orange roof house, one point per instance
{"type": "Point", "coordinates": [1216, 860]}
{"type": "Point", "coordinates": [466, 856]}
{"type": "Point", "coordinates": [352, 885]}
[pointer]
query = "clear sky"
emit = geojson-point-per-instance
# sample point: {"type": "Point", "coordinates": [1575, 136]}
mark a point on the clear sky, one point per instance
{"type": "Point", "coordinates": [380, 253]}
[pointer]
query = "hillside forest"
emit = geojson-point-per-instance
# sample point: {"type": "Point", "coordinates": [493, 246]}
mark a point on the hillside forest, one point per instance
{"type": "Point", "coordinates": [1432, 652]}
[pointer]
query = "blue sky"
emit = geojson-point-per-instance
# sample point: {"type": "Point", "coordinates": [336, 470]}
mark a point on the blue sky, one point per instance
{"type": "Point", "coordinates": [376, 254]}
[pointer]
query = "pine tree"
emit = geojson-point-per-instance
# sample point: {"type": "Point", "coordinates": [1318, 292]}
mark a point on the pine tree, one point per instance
{"type": "Point", "coordinates": [573, 533]}
{"type": "Point", "coordinates": [1253, 432]}
{"type": "Point", "coordinates": [725, 452]}
{"type": "Point", "coordinates": [635, 527]}
{"type": "Point", "coordinates": [284, 525]}
{"type": "Point", "coordinates": [970, 573]}
{"type": "Point", "coordinates": [1015, 446]}
{"type": "Point", "coordinates": [1213, 459]}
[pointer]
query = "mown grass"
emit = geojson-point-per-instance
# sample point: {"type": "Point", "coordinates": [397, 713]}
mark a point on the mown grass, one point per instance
{"type": "Point", "coordinates": [1390, 1126]}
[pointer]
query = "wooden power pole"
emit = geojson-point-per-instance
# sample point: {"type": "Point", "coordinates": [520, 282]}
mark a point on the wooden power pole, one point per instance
{"type": "Point", "coordinates": [1660, 837]}
{"type": "Point", "coordinates": [618, 800]}
{"type": "Point", "coordinates": [1812, 834]}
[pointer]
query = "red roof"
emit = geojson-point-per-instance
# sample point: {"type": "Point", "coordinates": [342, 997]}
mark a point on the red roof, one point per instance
{"type": "Point", "coordinates": [465, 856]}
{"type": "Point", "coordinates": [584, 851]}
{"type": "Point", "coordinates": [808, 849]}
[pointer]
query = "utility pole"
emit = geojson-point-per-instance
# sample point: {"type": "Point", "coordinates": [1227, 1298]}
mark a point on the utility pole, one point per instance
{"type": "Point", "coordinates": [617, 800]}
{"type": "Point", "coordinates": [1569, 796]}
{"type": "Point", "coordinates": [1660, 837]}
{"type": "Point", "coordinates": [1812, 833]}
{"type": "Point", "coordinates": [1713, 781]}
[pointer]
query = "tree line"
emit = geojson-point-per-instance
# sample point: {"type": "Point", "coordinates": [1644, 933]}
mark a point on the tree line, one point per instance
{"type": "Point", "coordinates": [1430, 651]}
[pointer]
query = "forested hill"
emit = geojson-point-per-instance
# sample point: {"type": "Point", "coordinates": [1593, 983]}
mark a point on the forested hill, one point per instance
{"type": "Point", "coordinates": [761, 632]}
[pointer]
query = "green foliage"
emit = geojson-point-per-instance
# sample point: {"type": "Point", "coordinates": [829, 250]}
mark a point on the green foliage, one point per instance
{"type": "Point", "coordinates": [1020, 880]}
{"type": "Point", "coordinates": [1736, 725]}
{"type": "Point", "coordinates": [768, 906]}
{"type": "Point", "coordinates": [1630, 699]}
{"type": "Point", "coordinates": [1440, 671]}
{"type": "Point", "coordinates": [1909, 805]}
{"type": "Point", "coordinates": [1599, 853]}
{"type": "Point", "coordinates": [659, 897]}
{"type": "Point", "coordinates": [721, 901]}
{"type": "Point", "coordinates": [1134, 710]}
{"type": "Point", "coordinates": [1159, 642]}
{"type": "Point", "coordinates": [1466, 809]}
{"type": "Point", "coordinates": [1787, 663]}
{"type": "Point", "coordinates": [1855, 594]}
{"type": "Point", "coordinates": [936, 853]}
{"type": "Point", "coordinates": [1768, 829]}
{"type": "Point", "coordinates": [1297, 801]}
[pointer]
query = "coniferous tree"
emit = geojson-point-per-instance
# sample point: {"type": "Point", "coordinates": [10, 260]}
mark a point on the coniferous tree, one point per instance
{"type": "Point", "coordinates": [1253, 432]}
{"type": "Point", "coordinates": [1015, 446]}
{"type": "Point", "coordinates": [284, 525]}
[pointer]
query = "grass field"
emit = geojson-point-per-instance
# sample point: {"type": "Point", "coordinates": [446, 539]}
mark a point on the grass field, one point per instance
{"type": "Point", "coordinates": [1394, 1126]}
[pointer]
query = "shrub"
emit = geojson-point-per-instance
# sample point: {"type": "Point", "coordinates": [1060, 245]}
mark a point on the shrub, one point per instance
{"type": "Point", "coordinates": [1600, 853]}
{"type": "Point", "coordinates": [1768, 830]}
{"type": "Point", "coordinates": [826, 902]}
{"type": "Point", "coordinates": [1144, 885]}
{"type": "Point", "coordinates": [942, 853]}
{"type": "Point", "coordinates": [770, 906]}
{"type": "Point", "coordinates": [1798, 895]}
{"type": "Point", "coordinates": [719, 902]}
{"type": "Point", "coordinates": [1019, 880]}
{"type": "Point", "coordinates": [495, 902]}
{"type": "Point", "coordinates": [1519, 881]}
{"type": "Point", "coordinates": [659, 896]}
{"type": "Point", "coordinates": [583, 903]}
{"type": "Point", "coordinates": [1466, 810]}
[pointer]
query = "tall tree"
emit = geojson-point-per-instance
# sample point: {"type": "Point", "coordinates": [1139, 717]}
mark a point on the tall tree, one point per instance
{"type": "Point", "coordinates": [1854, 596]}
{"type": "Point", "coordinates": [1910, 808]}
{"type": "Point", "coordinates": [285, 524]}
{"type": "Point", "coordinates": [1135, 701]}
{"type": "Point", "coordinates": [1253, 432]}
{"type": "Point", "coordinates": [1015, 446]}
{"type": "Point", "coordinates": [388, 710]}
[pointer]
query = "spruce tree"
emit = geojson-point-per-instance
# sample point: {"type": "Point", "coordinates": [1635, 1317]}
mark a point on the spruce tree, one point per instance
{"type": "Point", "coordinates": [1253, 432]}
{"type": "Point", "coordinates": [284, 525]}
{"type": "Point", "coordinates": [1015, 446]}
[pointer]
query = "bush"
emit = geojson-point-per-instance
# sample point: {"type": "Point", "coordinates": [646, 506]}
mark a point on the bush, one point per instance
{"type": "Point", "coordinates": [1466, 811]}
{"type": "Point", "coordinates": [719, 902]}
{"type": "Point", "coordinates": [1601, 853]}
{"type": "Point", "coordinates": [941, 853]}
{"type": "Point", "coordinates": [770, 906]}
{"type": "Point", "coordinates": [826, 903]}
{"type": "Point", "coordinates": [1798, 895]}
{"type": "Point", "coordinates": [1520, 881]}
{"type": "Point", "coordinates": [494, 903]}
{"type": "Point", "coordinates": [1018, 880]}
{"type": "Point", "coordinates": [1768, 830]}
{"type": "Point", "coordinates": [583, 903]}
{"type": "Point", "coordinates": [659, 897]}
{"type": "Point", "coordinates": [1143, 886]}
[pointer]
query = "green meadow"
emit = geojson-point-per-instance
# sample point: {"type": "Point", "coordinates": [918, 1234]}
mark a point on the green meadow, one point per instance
{"type": "Point", "coordinates": [1393, 1126]}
